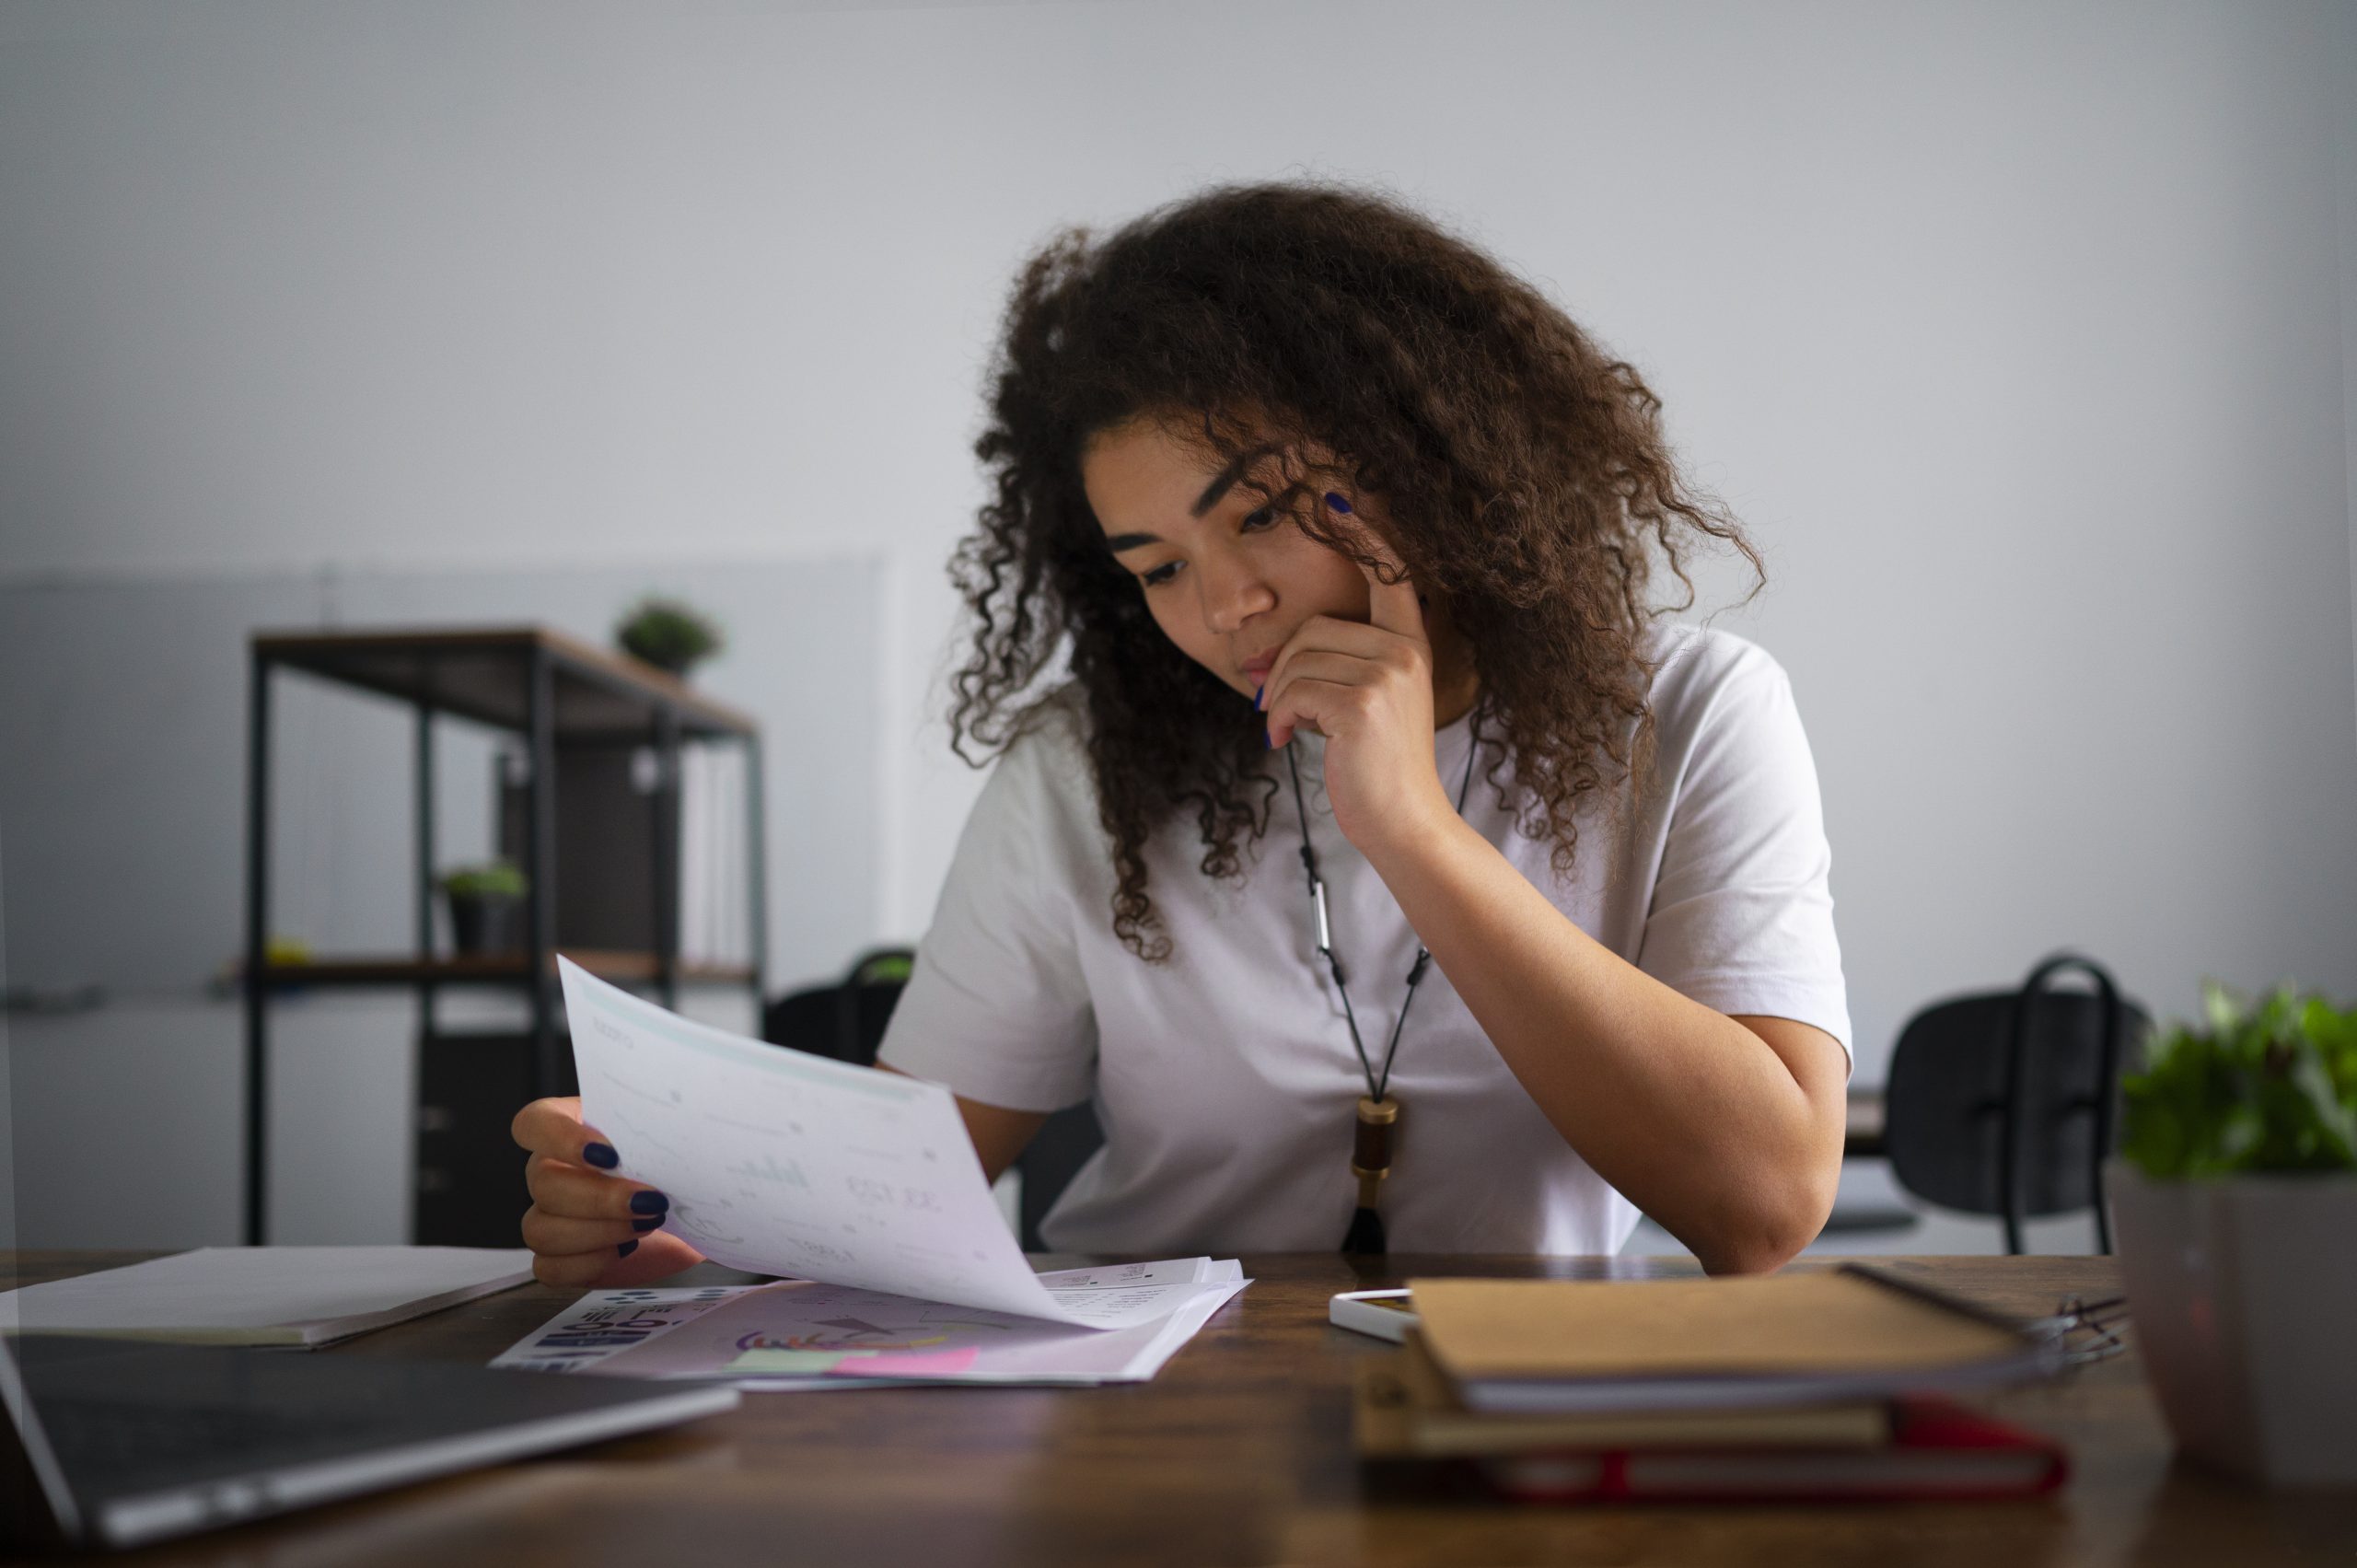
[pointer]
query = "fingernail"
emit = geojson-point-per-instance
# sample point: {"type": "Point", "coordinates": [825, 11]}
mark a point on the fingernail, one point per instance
{"type": "Point", "coordinates": [1257, 693]}
{"type": "Point", "coordinates": [1334, 499]}
{"type": "Point", "coordinates": [626, 1249]}
{"type": "Point", "coordinates": [648, 1204]}
{"type": "Point", "coordinates": [603, 1155]}
{"type": "Point", "coordinates": [1268, 740]}
{"type": "Point", "coordinates": [652, 1222]}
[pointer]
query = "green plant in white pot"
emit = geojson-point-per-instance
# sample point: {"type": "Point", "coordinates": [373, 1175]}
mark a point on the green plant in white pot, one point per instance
{"type": "Point", "coordinates": [2235, 1199]}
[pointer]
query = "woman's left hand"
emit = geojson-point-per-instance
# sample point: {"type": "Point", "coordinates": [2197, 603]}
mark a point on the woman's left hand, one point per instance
{"type": "Point", "coordinates": [1368, 689]}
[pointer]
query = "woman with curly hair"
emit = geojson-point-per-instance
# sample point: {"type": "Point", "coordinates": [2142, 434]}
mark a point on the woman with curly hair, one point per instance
{"type": "Point", "coordinates": [1363, 843]}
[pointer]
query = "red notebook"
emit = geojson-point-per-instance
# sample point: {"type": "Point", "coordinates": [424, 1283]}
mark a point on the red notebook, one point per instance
{"type": "Point", "coordinates": [1938, 1449]}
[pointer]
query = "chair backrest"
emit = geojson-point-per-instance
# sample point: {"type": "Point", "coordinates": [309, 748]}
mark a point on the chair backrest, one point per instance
{"type": "Point", "coordinates": [845, 1021]}
{"type": "Point", "coordinates": [1951, 1091]}
{"type": "Point", "coordinates": [1064, 1143]}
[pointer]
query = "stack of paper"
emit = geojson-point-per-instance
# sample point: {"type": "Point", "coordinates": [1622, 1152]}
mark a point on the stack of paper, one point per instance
{"type": "Point", "coordinates": [1802, 1385]}
{"type": "Point", "coordinates": [862, 1188]}
{"type": "Point", "coordinates": [301, 1296]}
{"type": "Point", "coordinates": [802, 1335]}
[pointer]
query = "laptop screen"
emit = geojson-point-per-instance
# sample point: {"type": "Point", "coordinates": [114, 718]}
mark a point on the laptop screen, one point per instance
{"type": "Point", "coordinates": [34, 1498]}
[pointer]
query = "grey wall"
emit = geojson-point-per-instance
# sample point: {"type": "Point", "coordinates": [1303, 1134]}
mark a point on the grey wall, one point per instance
{"type": "Point", "coordinates": [2344, 65]}
{"type": "Point", "coordinates": [2014, 332]}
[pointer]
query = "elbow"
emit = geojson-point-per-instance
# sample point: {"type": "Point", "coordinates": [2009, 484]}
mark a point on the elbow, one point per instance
{"type": "Point", "coordinates": [1772, 1231]}
{"type": "Point", "coordinates": [1753, 1255]}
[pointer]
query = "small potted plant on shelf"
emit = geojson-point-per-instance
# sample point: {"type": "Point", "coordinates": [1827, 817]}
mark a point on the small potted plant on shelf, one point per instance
{"type": "Point", "coordinates": [669, 635]}
{"type": "Point", "coordinates": [486, 907]}
{"type": "Point", "coordinates": [2236, 1200]}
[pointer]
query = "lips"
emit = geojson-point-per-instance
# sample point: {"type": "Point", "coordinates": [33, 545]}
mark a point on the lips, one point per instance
{"type": "Point", "coordinates": [1255, 668]}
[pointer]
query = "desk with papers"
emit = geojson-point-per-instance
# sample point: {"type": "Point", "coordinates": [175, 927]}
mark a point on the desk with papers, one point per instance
{"type": "Point", "coordinates": [1238, 1452]}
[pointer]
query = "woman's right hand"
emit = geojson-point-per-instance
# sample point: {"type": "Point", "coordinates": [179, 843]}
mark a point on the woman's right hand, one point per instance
{"type": "Point", "coordinates": [586, 1227]}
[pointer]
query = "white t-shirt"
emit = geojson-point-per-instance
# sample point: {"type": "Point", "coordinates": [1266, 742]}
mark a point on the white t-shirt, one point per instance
{"type": "Point", "coordinates": [1225, 1077]}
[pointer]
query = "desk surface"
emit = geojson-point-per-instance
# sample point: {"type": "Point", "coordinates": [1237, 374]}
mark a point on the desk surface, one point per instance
{"type": "Point", "coordinates": [1239, 1453]}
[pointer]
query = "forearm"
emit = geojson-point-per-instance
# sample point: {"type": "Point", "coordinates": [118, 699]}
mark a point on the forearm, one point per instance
{"type": "Point", "coordinates": [999, 1136]}
{"type": "Point", "coordinates": [1688, 1114]}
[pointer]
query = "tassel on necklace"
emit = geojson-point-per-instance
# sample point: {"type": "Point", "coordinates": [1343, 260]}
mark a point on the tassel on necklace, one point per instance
{"type": "Point", "coordinates": [1371, 1162]}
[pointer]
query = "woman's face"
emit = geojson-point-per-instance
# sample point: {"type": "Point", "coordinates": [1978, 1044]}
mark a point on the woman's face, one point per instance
{"type": "Point", "coordinates": [1227, 579]}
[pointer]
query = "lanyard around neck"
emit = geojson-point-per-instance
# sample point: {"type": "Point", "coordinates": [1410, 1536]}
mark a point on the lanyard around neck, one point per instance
{"type": "Point", "coordinates": [1377, 1081]}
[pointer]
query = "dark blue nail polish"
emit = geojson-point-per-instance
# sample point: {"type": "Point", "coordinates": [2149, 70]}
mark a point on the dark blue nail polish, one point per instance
{"type": "Point", "coordinates": [652, 1222]}
{"type": "Point", "coordinates": [603, 1155]}
{"type": "Point", "coordinates": [649, 1203]}
{"type": "Point", "coordinates": [1334, 499]}
{"type": "Point", "coordinates": [1258, 693]}
{"type": "Point", "coordinates": [1268, 740]}
{"type": "Point", "coordinates": [626, 1249]}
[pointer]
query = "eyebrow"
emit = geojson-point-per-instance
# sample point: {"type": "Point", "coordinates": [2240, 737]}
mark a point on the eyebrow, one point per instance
{"type": "Point", "coordinates": [1224, 479]}
{"type": "Point", "coordinates": [1221, 482]}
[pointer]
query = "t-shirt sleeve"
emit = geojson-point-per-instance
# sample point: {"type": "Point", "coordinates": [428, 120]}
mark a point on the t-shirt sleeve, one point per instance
{"type": "Point", "coordinates": [1741, 918]}
{"type": "Point", "coordinates": [996, 1006]}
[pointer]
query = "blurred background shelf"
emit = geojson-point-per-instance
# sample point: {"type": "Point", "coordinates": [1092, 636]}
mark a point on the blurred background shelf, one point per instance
{"type": "Point", "coordinates": [485, 674]}
{"type": "Point", "coordinates": [588, 800]}
{"type": "Point", "coordinates": [494, 968]}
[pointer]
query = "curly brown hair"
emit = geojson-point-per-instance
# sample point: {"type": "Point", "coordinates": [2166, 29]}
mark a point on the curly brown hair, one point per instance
{"type": "Point", "coordinates": [1524, 470]}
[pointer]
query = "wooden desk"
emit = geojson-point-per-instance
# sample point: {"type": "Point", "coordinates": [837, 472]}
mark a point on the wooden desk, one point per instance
{"type": "Point", "coordinates": [1239, 1453]}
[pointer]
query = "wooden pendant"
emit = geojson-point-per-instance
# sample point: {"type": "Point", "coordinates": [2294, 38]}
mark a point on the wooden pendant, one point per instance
{"type": "Point", "coordinates": [1371, 1154]}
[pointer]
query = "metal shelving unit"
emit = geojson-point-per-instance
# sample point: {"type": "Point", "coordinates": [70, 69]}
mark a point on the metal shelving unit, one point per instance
{"type": "Point", "coordinates": [552, 691]}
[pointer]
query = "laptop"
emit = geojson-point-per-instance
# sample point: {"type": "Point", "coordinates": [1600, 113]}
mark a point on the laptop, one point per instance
{"type": "Point", "coordinates": [119, 1443]}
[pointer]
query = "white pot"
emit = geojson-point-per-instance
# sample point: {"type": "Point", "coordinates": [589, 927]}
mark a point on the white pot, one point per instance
{"type": "Point", "coordinates": [2243, 1291]}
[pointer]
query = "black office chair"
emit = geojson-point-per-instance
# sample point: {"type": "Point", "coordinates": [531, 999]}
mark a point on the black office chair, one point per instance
{"type": "Point", "coordinates": [2004, 1103]}
{"type": "Point", "coordinates": [845, 1021]}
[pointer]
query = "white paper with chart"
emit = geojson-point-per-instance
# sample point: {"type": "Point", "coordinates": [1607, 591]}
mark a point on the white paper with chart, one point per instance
{"type": "Point", "coordinates": [784, 1163]}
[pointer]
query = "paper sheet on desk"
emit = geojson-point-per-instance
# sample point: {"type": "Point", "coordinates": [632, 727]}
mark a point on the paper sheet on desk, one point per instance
{"type": "Point", "coordinates": [784, 1163]}
{"type": "Point", "coordinates": [797, 1335]}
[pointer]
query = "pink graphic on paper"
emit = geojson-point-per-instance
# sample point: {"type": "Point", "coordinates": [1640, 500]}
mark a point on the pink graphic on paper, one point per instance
{"type": "Point", "coordinates": [907, 1363]}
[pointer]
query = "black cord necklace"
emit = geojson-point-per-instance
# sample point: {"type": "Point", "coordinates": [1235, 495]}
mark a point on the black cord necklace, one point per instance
{"type": "Point", "coordinates": [1371, 1151]}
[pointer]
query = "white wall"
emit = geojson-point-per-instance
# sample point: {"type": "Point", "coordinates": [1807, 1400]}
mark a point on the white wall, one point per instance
{"type": "Point", "coordinates": [2342, 58]}
{"type": "Point", "coordinates": [2015, 331]}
